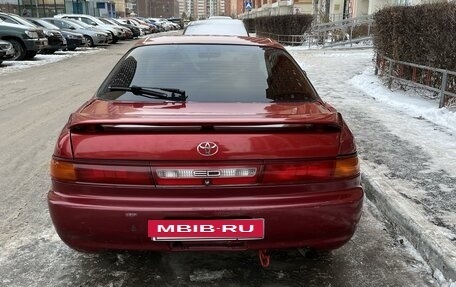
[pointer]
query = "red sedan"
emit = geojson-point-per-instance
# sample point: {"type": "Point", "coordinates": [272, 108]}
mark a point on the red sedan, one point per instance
{"type": "Point", "coordinates": [205, 143]}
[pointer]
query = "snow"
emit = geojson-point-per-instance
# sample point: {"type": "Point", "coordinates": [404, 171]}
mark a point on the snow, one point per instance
{"type": "Point", "coordinates": [402, 135]}
{"type": "Point", "coordinates": [405, 101]}
{"type": "Point", "coordinates": [437, 274]}
{"type": "Point", "coordinates": [39, 60]}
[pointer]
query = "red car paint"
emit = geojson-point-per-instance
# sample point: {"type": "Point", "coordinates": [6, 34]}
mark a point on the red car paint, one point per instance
{"type": "Point", "coordinates": [106, 183]}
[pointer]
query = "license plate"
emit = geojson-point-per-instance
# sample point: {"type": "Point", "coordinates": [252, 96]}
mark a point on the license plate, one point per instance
{"type": "Point", "coordinates": [211, 229]}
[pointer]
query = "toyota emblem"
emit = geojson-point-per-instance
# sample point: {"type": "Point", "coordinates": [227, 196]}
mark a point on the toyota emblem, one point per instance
{"type": "Point", "coordinates": [207, 148]}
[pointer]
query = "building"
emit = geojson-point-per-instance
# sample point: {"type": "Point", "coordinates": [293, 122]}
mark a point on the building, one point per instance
{"type": "Point", "coordinates": [49, 8]}
{"type": "Point", "coordinates": [158, 8]}
{"type": "Point", "coordinates": [333, 9]}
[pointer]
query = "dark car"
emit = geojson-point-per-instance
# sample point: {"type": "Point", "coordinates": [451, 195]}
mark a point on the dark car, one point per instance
{"type": "Point", "coordinates": [26, 40]}
{"type": "Point", "coordinates": [136, 32]}
{"type": "Point", "coordinates": [6, 51]}
{"type": "Point", "coordinates": [55, 38]}
{"type": "Point", "coordinates": [205, 143]}
{"type": "Point", "coordinates": [73, 40]}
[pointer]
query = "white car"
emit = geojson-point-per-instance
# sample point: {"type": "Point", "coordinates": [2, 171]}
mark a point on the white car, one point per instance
{"type": "Point", "coordinates": [220, 27]}
{"type": "Point", "coordinates": [116, 32]}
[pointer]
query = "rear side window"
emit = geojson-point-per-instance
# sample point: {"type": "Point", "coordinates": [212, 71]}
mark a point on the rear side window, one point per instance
{"type": "Point", "coordinates": [211, 73]}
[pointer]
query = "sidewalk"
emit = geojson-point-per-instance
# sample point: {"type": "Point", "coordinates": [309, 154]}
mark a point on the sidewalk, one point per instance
{"type": "Point", "coordinates": [407, 146]}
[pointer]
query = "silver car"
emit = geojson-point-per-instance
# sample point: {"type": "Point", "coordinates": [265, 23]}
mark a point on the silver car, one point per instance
{"type": "Point", "coordinates": [93, 21]}
{"type": "Point", "coordinates": [6, 51]}
{"type": "Point", "coordinates": [94, 37]}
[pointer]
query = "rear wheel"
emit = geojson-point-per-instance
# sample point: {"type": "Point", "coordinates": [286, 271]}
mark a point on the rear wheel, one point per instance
{"type": "Point", "coordinates": [30, 54]}
{"type": "Point", "coordinates": [114, 39]}
{"type": "Point", "coordinates": [89, 41]}
{"type": "Point", "coordinates": [19, 50]}
{"type": "Point", "coordinates": [47, 52]}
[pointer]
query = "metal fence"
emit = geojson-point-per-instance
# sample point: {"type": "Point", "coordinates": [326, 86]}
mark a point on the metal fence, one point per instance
{"type": "Point", "coordinates": [317, 41]}
{"type": "Point", "coordinates": [347, 32]}
{"type": "Point", "coordinates": [442, 82]}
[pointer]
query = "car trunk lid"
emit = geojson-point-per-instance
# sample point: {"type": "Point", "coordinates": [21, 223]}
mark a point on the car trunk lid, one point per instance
{"type": "Point", "coordinates": [179, 131]}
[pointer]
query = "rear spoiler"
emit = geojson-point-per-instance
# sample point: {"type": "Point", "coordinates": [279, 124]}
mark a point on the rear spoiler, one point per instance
{"type": "Point", "coordinates": [83, 122]}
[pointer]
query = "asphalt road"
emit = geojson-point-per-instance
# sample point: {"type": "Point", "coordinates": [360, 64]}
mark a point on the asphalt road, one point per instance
{"type": "Point", "coordinates": [34, 105]}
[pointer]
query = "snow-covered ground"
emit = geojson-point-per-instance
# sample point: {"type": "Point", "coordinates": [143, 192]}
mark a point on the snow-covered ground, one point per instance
{"type": "Point", "coordinates": [402, 135]}
{"type": "Point", "coordinates": [39, 60]}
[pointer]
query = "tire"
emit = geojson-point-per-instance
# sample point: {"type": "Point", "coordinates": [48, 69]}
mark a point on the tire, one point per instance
{"type": "Point", "coordinates": [115, 39]}
{"type": "Point", "coordinates": [89, 41]}
{"type": "Point", "coordinates": [30, 54]}
{"type": "Point", "coordinates": [47, 52]}
{"type": "Point", "coordinates": [19, 50]}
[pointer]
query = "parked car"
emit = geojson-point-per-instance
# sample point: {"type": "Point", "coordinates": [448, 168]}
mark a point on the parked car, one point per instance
{"type": "Point", "coordinates": [99, 30]}
{"type": "Point", "coordinates": [177, 21]}
{"type": "Point", "coordinates": [116, 32]}
{"type": "Point", "coordinates": [126, 32]}
{"type": "Point", "coordinates": [205, 143]}
{"type": "Point", "coordinates": [73, 40]}
{"type": "Point", "coordinates": [94, 37]}
{"type": "Point", "coordinates": [136, 32]}
{"type": "Point", "coordinates": [6, 50]}
{"type": "Point", "coordinates": [216, 26]}
{"type": "Point", "coordinates": [144, 29]}
{"type": "Point", "coordinates": [26, 40]}
{"type": "Point", "coordinates": [55, 40]}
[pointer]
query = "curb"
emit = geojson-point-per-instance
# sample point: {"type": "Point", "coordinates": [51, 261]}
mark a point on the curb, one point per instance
{"type": "Point", "coordinates": [438, 251]}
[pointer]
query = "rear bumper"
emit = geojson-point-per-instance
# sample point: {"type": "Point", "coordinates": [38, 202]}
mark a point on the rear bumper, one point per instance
{"type": "Point", "coordinates": [319, 220]}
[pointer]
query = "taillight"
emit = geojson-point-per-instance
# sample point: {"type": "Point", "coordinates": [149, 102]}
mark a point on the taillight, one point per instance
{"type": "Point", "coordinates": [346, 167]}
{"type": "Point", "coordinates": [310, 171]}
{"type": "Point", "coordinates": [65, 171]}
{"type": "Point", "coordinates": [297, 172]}
{"type": "Point", "coordinates": [62, 170]}
{"type": "Point", "coordinates": [206, 176]}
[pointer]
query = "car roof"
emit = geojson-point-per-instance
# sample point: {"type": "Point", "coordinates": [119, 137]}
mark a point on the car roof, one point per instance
{"type": "Point", "coordinates": [228, 27]}
{"type": "Point", "coordinates": [219, 17]}
{"type": "Point", "coordinates": [220, 40]}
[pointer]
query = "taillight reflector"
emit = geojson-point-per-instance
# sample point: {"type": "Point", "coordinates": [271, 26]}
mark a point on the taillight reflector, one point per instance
{"type": "Point", "coordinates": [296, 172]}
{"type": "Point", "coordinates": [113, 174]}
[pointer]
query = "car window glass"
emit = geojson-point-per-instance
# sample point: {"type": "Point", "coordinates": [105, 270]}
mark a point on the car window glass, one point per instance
{"type": "Point", "coordinates": [7, 20]}
{"type": "Point", "coordinates": [64, 25]}
{"type": "Point", "coordinates": [88, 21]}
{"type": "Point", "coordinates": [212, 73]}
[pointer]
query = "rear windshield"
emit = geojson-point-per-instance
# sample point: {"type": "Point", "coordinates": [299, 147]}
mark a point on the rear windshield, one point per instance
{"type": "Point", "coordinates": [210, 73]}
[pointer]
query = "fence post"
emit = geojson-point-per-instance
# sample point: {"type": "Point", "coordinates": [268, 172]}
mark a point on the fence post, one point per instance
{"type": "Point", "coordinates": [390, 74]}
{"type": "Point", "coordinates": [351, 36]}
{"type": "Point", "coordinates": [443, 89]}
{"type": "Point", "coordinates": [376, 64]}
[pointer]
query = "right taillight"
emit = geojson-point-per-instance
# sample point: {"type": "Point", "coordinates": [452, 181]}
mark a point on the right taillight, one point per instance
{"type": "Point", "coordinates": [346, 167]}
{"type": "Point", "coordinates": [310, 171]}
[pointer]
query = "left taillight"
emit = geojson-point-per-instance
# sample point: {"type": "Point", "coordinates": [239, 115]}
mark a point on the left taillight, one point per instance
{"type": "Point", "coordinates": [95, 173]}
